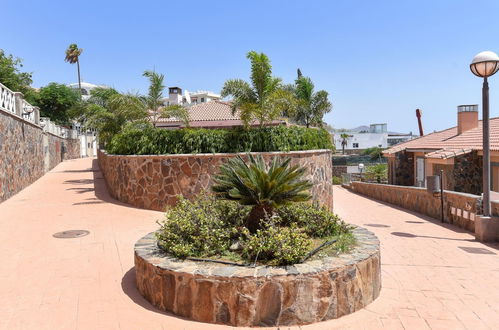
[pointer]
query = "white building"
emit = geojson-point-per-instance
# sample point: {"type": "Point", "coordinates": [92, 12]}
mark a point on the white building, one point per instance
{"type": "Point", "coordinates": [175, 96]}
{"type": "Point", "coordinates": [374, 135]}
{"type": "Point", "coordinates": [86, 88]}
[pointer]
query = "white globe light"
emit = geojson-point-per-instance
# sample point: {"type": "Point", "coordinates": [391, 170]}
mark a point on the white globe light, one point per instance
{"type": "Point", "coordinates": [485, 64]}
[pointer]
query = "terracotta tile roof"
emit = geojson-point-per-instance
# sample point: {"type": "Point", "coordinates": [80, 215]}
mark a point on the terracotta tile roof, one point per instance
{"type": "Point", "coordinates": [211, 114]}
{"type": "Point", "coordinates": [209, 111]}
{"type": "Point", "coordinates": [448, 141]}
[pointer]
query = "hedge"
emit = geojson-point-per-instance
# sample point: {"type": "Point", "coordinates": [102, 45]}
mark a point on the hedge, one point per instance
{"type": "Point", "coordinates": [157, 141]}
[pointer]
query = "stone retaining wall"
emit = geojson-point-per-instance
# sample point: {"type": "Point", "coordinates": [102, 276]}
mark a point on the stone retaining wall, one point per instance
{"type": "Point", "coordinates": [153, 182]}
{"type": "Point", "coordinates": [27, 152]}
{"type": "Point", "coordinates": [460, 209]}
{"type": "Point", "coordinates": [314, 291]}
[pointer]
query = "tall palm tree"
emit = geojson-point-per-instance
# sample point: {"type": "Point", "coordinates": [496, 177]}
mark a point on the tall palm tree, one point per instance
{"type": "Point", "coordinates": [262, 100]}
{"type": "Point", "coordinates": [154, 98]}
{"type": "Point", "coordinates": [73, 56]}
{"type": "Point", "coordinates": [312, 106]}
{"type": "Point", "coordinates": [344, 141]}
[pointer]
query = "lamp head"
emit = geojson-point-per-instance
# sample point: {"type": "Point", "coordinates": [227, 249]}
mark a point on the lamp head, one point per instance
{"type": "Point", "coordinates": [485, 64]}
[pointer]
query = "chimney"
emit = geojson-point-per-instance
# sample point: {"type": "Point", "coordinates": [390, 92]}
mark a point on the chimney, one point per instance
{"type": "Point", "coordinates": [175, 95]}
{"type": "Point", "coordinates": [467, 117]}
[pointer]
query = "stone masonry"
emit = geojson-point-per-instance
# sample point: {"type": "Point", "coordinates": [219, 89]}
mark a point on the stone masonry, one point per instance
{"type": "Point", "coordinates": [460, 209]}
{"type": "Point", "coordinates": [23, 150]}
{"type": "Point", "coordinates": [154, 182]}
{"type": "Point", "coordinates": [313, 291]}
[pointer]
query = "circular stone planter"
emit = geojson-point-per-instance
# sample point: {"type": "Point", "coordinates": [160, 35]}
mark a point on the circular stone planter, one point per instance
{"type": "Point", "coordinates": [304, 293]}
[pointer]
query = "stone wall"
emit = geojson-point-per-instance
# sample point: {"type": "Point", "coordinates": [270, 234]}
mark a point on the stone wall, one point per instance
{"type": "Point", "coordinates": [468, 173]}
{"type": "Point", "coordinates": [404, 168]}
{"type": "Point", "coordinates": [153, 182]}
{"type": "Point", "coordinates": [27, 152]}
{"type": "Point", "coordinates": [460, 209]}
{"type": "Point", "coordinates": [304, 293]}
{"type": "Point", "coordinates": [448, 179]}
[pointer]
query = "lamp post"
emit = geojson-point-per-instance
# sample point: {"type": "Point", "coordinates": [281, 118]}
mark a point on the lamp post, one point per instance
{"type": "Point", "coordinates": [484, 65]}
{"type": "Point", "coordinates": [361, 167]}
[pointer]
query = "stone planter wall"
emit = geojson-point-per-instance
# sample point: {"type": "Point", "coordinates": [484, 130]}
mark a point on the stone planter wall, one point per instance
{"type": "Point", "coordinates": [262, 296]}
{"type": "Point", "coordinates": [460, 209]}
{"type": "Point", "coordinates": [154, 182]}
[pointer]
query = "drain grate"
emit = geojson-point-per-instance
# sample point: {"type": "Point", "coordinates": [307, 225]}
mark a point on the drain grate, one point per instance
{"type": "Point", "coordinates": [475, 250]}
{"type": "Point", "coordinates": [71, 234]}
{"type": "Point", "coordinates": [376, 225]}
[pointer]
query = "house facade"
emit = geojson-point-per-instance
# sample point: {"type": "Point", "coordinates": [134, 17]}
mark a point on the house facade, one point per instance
{"type": "Point", "coordinates": [455, 152]}
{"type": "Point", "coordinates": [183, 97]}
{"type": "Point", "coordinates": [364, 137]}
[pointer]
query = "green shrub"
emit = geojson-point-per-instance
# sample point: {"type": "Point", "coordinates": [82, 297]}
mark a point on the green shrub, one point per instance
{"type": "Point", "coordinates": [277, 245]}
{"type": "Point", "coordinates": [204, 227]}
{"type": "Point", "coordinates": [337, 180]}
{"type": "Point", "coordinates": [152, 141]}
{"type": "Point", "coordinates": [315, 220]}
{"type": "Point", "coordinates": [378, 173]}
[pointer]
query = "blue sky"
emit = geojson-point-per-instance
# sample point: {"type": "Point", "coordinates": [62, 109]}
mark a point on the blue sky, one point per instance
{"type": "Point", "coordinates": [379, 60]}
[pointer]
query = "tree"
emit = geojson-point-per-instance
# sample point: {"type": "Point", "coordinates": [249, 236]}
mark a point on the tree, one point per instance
{"type": "Point", "coordinates": [312, 106]}
{"type": "Point", "coordinates": [261, 186]}
{"type": "Point", "coordinates": [73, 56]}
{"type": "Point", "coordinates": [108, 112]}
{"type": "Point", "coordinates": [378, 172]}
{"type": "Point", "coordinates": [12, 76]}
{"type": "Point", "coordinates": [344, 141]}
{"type": "Point", "coordinates": [55, 101]}
{"type": "Point", "coordinates": [154, 98]}
{"type": "Point", "coordinates": [264, 100]}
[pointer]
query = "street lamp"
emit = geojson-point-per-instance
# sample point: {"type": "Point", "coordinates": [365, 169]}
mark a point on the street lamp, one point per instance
{"type": "Point", "coordinates": [484, 65]}
{"type": "Point", "coordinates": [361, 167]}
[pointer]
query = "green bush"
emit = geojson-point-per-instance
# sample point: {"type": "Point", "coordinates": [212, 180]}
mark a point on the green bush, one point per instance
{"type": "Point", "coordinates": [207, 227]}
{"type": "Point", "coordinates": [378, 173]}
{"type": "Point", "coordinates": [277, 245]}
{"type": "Point", "coordinates": [201, 228]}
{"type": "Point", "coordinates": [152, 141]}
{"type": "Point", "coordinates": [337, 180]}
{"type": "Point", "coordinates": [315, 220]}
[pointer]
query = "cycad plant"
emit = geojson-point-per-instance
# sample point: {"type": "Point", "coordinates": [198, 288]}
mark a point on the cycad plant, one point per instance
{"type": "Point", "coordinates": [260, 186]}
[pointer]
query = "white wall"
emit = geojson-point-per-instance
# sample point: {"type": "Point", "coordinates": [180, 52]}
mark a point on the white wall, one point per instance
{"type": "Point", "coordinates": [363, 140]}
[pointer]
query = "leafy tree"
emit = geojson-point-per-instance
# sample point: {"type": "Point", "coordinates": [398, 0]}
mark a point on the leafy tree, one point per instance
{"type": "Point", "coordinates": [12, 76]}
{"type": "Point", "coordinates": [73, 56]}
{"type": "Point", "coordinates": [312, 106]}
{"type": "Point", "coordinates": [55, 100]}
{"type": "Point", "coordinates": [344, 141]}
{"type": "Point", "coordinates": [109, 112]}
{"type": "Point", "coordinates": [377, 172]}
{"type": "Point", "coordinates": [262, 100]}
{"type": "Point", "coordinates": [376, 153]}
{"type": "Point", "coordinates": [153, 100]}
{"type": "Point", "coordinates": [262, 187]}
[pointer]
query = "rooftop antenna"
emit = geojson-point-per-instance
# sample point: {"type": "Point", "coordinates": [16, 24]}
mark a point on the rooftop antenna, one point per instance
{"type": "Point", "coordinates": [420, 124]}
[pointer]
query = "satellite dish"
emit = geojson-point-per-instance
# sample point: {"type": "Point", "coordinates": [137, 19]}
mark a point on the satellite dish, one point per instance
{"type": "Point", "coordinates": [187, 97]}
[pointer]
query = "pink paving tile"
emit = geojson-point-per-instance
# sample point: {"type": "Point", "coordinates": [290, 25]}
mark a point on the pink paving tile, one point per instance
{"type": "Point", "coordinates": [85, 283]}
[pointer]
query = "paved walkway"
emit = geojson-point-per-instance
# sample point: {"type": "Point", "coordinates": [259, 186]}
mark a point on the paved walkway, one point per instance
{"type": "Point", "coordinates": [434, 276]}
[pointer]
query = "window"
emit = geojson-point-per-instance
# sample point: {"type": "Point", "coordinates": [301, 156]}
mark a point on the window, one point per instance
{"type": "Point", "coordinates": [89, 145]}
{"type": "Point", "coordinates": [202, 99]}
{"type": "Point", "coordinates": [355, 145]}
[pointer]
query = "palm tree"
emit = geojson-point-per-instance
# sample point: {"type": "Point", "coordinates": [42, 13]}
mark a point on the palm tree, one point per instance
{"type": "Point", "coordinates": [178, 112]}
{"type": "Point", "coordinates": [73, 56]}
{"type": "Point", "coordinates": [264, 99]}
{"type": "Point", "coordinates": [153, 100]}
{"type": "Point", "coordinates": [344, 141]}
{"type": "Point", "coordinates": [312, 106]}
{"type": "Point", "coordinates": [262, 187]}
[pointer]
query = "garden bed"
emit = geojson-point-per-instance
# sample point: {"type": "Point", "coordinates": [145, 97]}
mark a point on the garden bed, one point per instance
{"type": "Point", "coordinates": [308, 292]}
